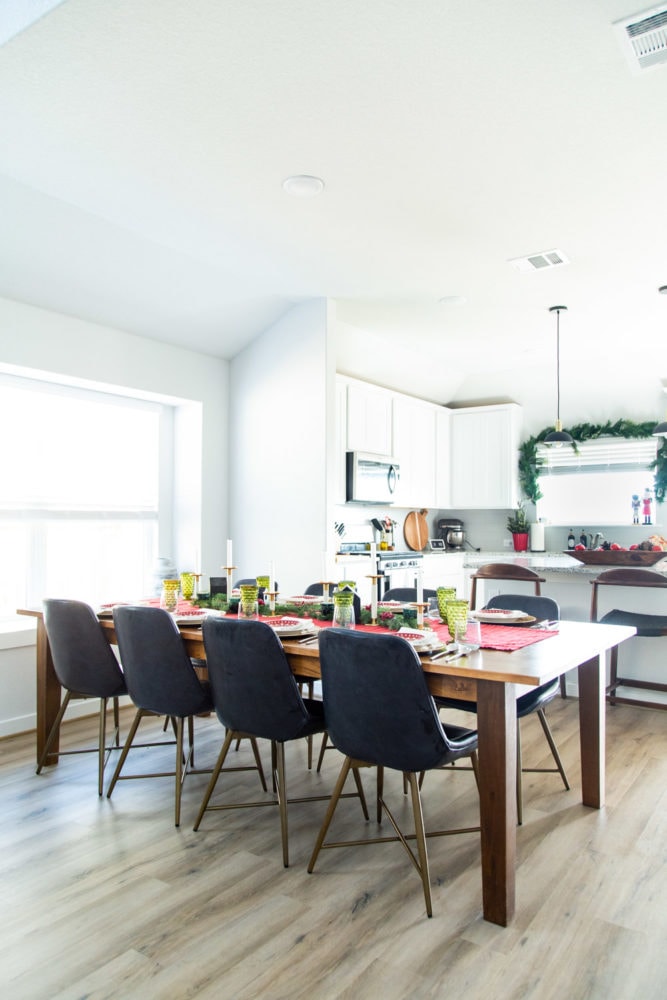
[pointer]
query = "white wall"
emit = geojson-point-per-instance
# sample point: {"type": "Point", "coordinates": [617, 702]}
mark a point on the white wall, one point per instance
{"type": "Point", "coordinates": [280, 419]}
{"type": "Point", "coordinates": [34, 340]}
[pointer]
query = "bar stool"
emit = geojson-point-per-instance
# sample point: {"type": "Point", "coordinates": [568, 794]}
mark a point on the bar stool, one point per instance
{"type": "Point", "coordinates": [647, 625]}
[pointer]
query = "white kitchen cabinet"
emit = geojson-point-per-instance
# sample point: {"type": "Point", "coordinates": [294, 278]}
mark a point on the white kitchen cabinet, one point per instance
{"type": "Point", "coordinates": [368, 418]}
{"type": "Point", "coordinates": [484, 457]}
{"type": "Point", "coordinates": [414, 446]}
{"type": "Point", "coordinates": [443, 495]}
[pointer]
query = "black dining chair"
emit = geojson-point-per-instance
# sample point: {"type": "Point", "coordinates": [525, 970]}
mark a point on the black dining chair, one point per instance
{"type": "Point", "coordinates": [161, 680]}
{"type": "Point", "coordinates": [380, 714]}
{"type": "Point", "coordinates": [252, 580]}
{"type": "Point", "coordinates": [255, 694]}
{"type": "Point", "coordinates": [546, 609]}
{"type": "Point", "coordinates": [86, 667]}
{"type": "Point", "coordinates": [406, 594]}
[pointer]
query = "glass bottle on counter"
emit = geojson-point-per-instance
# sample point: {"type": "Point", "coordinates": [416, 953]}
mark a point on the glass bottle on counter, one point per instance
{"type": "Point", "coordinates": [570, 539]}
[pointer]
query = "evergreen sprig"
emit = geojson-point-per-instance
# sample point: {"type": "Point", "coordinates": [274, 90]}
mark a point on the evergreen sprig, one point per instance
{"type": "Point", "coordinates": [530, 463]}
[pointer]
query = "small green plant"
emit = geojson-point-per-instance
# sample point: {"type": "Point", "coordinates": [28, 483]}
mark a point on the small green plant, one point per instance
{"type": "Point", "coordinates": [517, 522]}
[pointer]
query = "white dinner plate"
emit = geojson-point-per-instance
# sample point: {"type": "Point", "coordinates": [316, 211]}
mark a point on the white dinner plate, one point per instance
{"type": "Point", "coordinates": [502, 617]}
{"type": "Point", "coordinates": [423, 642]}
{"type": "Point", "coordinates": [292, 626]}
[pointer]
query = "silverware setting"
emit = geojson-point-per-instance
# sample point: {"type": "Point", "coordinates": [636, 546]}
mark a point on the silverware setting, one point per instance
{"type": "Point", "coordinates": [546, 625]}
{"type": "Point", "coordinates": [308, 640]}
{"type": "Point", "coordinates": [447, 657]}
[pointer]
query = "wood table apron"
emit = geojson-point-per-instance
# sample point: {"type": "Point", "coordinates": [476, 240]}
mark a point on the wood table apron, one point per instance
{"type": "Point", "coordinates": [493, 679]}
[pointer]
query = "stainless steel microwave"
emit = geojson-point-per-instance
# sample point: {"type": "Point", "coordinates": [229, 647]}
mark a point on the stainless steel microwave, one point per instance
{"type": "Point", "coordinates": [371, 478]}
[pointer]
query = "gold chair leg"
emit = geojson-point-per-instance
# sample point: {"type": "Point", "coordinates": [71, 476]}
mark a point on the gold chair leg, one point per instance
{"type": "Point", "coordinates": [379, 792]}
{"type": "Point", "coordinates": [54, 730]}
{"type": "Point", "coordinates": [274, 767]}
{"type": "Point", "coordinates": [229, 736]}
{"type": "Point", "coordinates": [360, 791]}
{"type": "Point", "coordinates": [258, 762]}
{"type": "Point", "coordinates": [179, 771]}
{"type": "Point", "coordinates": [126, 749]}
{"type": "Point", "coordinates": [552, 746]}
{"type": "Point", "coordinates": [333, 802]}
{"type": "Point", "coordinates": [613, 676]}
{"type": "Point", "coordinates": [281, 787]}
{"type": "Point", "coordinates": [325, 739]}
{"type": "Point", "coordinates": [101, 754]}
{"type": "Point", "coordinates": [420, 837]}
{"type": "Point", "coordinates": [519, 789]}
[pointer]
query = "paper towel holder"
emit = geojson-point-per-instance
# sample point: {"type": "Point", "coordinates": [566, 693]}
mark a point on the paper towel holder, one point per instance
{"type": "Point", "coordinates": [537, 543]}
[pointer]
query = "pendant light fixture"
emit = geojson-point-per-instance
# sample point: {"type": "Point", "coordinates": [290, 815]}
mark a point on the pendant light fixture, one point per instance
{"type": "Point", "coordinates": [660, 430]}
{"type": "Point", "coordinates": [558, 436]}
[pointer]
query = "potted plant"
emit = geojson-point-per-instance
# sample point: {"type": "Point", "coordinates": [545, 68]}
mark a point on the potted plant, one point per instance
{"type": "Point", "coordinates": [517, 524]}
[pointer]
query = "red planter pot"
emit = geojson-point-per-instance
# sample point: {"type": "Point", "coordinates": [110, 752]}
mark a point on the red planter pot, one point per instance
{"type": "Point", "coordinates": [521, 542]}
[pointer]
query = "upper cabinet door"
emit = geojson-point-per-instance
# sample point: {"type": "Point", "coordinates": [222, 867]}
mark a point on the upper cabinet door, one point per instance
{"type": "Point", "coordinates": [485, 452]}
{"type": "Point", "coordinates": [368, 418]}
{"type": "Point", "coordinates": [443, 493]}
{"type": "Point", "coordinates": [414, 446]}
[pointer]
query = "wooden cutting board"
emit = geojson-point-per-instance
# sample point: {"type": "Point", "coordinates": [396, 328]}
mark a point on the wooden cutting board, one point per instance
{"type": "Point", "coordinates": [415, 530]}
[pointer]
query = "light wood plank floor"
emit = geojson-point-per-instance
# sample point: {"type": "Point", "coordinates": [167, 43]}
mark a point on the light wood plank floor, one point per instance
{"type": "Point", "coordinates": [105, 898]}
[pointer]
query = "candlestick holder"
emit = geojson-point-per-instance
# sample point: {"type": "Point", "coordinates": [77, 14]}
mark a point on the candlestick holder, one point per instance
{"type": "Point", "coordinates": [228, 570]}
{"type": "Point", "coordinates": [272, 594]}
{"type": "Point", "coordinates": [374, 595]}
{"type": "Point", "coordinates": [325, 584]}
{"type": "Point", "coordinates": [421, 608]}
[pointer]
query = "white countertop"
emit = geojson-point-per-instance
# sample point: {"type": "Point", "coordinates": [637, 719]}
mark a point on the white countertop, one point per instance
{"type": "Point", "coordinates": [545, 562]}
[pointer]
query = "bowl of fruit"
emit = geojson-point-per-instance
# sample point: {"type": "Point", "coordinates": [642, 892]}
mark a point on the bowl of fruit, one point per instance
{"type": "Point", "coordinates": [646, 553]}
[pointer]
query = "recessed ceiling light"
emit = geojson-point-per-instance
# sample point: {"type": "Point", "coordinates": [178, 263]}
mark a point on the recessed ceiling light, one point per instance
{"type": "Point", "coordinates": [452, 300]}
{"type": "Point", "coordinates": [303, 186]}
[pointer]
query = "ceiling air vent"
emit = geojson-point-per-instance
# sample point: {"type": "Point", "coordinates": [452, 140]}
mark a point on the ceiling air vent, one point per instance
{"type": "Point", "coordinates": [643, 38]}
{"type": "Point", "coordinates": [539, 261]}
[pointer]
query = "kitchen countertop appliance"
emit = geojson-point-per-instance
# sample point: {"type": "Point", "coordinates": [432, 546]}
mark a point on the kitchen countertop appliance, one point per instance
{"type": "Point", "coordinates": [452, 533]}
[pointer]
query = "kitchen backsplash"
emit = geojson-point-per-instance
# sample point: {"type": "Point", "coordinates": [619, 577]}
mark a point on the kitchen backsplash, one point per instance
{"type": "Point", "coordinates": [486, 529]}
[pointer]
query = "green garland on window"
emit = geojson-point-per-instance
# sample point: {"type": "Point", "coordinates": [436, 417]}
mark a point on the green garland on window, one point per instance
{"type": "Point", "coordinates": [530, 463]}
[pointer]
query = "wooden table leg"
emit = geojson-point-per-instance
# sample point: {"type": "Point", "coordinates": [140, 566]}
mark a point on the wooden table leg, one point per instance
{"type": "Point", "coordinates": [592, 720]}
{"type": "Point", "coordinates": [496, 723]}
{"type": "Point", "coordinates": [48, 695]}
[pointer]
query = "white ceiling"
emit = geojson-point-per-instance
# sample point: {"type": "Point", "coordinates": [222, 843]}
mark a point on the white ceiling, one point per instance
{"type": "Point", "coordinates": [143, 145]}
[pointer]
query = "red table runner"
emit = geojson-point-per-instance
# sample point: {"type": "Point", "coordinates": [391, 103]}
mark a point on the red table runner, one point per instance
{"type": "Point", "coordinates": [508, 637]}
{"type": "Point", "coordinates": [501, 637]}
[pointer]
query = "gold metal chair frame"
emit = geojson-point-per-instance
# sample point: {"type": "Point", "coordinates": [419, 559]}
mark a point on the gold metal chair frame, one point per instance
{"type": "Point", "coordinates": [420, 860]}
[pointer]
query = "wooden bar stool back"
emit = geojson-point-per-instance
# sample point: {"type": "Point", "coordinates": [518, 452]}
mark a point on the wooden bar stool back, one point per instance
{"type": "Point", "coordinates": [503, 571]}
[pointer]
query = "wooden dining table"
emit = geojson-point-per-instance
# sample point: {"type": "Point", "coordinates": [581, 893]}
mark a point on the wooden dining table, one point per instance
{"type": "Point", "coordinates": [492, 678]}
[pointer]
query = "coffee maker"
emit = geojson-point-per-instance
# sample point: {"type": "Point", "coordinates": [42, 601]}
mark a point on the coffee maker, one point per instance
{"type": "Point", "coordinates": [452, 533]}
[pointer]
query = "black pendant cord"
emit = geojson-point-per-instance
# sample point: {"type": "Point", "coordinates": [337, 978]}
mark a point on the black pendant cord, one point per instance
{"type": "Point", "coordinates": [558, 366]}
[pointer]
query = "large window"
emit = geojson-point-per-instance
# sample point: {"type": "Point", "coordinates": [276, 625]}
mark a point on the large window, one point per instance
{"type": "Point", "coordinates": [595, 485]}
{"type": "Point", "coordinates": [80, 485]}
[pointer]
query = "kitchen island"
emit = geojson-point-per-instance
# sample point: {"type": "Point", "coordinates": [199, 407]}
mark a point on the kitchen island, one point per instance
{"type": "Point", "coordinates": [568, 582]}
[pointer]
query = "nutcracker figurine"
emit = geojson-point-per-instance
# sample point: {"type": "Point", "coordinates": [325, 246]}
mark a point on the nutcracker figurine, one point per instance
{"type": "Point", "coordinates": [635, 508]}
{"type": "Point", "coordinates": [646, 506]}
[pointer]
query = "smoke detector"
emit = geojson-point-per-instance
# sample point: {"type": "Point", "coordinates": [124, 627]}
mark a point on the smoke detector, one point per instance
{"type": "Point", "coordinates": [643, 38]}
{"type": "Point", "coordinates": [539, 261]}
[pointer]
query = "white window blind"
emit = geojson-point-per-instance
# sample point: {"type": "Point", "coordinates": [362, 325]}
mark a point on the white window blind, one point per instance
{"type": "Point", "coordinates": [80, 492]}
{"type": "Point", "coordinates": [598, 455]}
